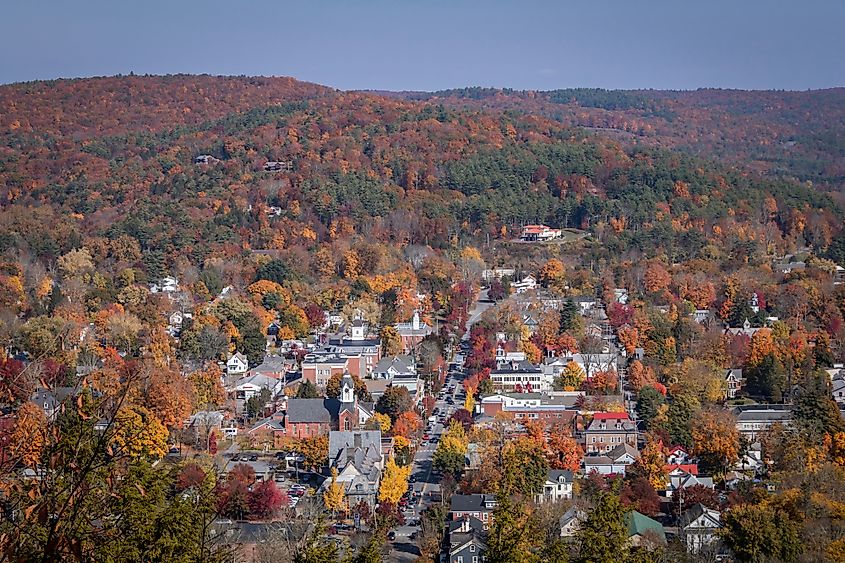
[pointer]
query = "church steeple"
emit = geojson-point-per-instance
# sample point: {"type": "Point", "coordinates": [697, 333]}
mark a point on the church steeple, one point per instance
{"type": "Point", "coordinates": [347, 389]}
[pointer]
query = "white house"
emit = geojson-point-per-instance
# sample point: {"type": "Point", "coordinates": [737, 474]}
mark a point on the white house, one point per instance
{"type": "Point", "coordinates": [237, 364]}
{"type": "Point", "coordinates": [253, 384]}
{"type": "Point", "coordinates": [558, 486]}
{"type": "Point", "coordinates": [699, 526]}
{"type": "Point", "coordinates": [616, 461]}
{"type": "Point", "coordinates": [527, 283]}
{"type": "Point", "coordinates": [167, 284]}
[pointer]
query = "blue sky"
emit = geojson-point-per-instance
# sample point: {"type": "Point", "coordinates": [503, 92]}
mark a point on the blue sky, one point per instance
{"type": "Point", "coordinates": [434, 44]}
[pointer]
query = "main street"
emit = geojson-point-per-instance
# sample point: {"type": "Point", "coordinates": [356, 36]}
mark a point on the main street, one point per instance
{"type": "Point", "coordinates": [403, 548]}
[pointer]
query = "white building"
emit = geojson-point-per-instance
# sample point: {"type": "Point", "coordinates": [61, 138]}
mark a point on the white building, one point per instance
{"type": "Point", "coordinates": [237, 364]}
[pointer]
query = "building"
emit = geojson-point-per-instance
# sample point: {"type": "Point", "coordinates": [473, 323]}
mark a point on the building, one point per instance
{"type": "Point", "coordinates": [751, 420]}
{"type": "Point", "coordinates": [528, 283]}
{"type": "Point", "coordinates": [477, 506]}
{"type": "Point", "coordinates": [397, 366]}
{"type": "Point", "coordinates": [682, 479]}
{"type": "Point", "coordinates": [644, 531]}
{"type": "Point", "coordinates": [362, 353]}
{"type": "Point", "coordinates": [318, 368]}
{"type": "Point", "coordinates": [699, 527]}
{"type": "Point", "coordinates": [571, 521]}
{"type": "Point", "coordinates": [615, 462]}
{"type": "Point", "coordinates": [412, 333]}
{"type": "Point", "coordinates": [734, 381]}
{"type": "Point", "coordinates": [237, 364]}
{"type": "Point", "coordinates": [538, 233]}
{"type": "Point", "coordinates": [315, 417]}
{"type": "Point", "coordinates": [519, 376]}
{"type": "Point", "coordinates": [608, 430]}
{"type": "Point", "coordinates": [251, 385]}
{"type": "Point", "coordinates": [467, 540]}
{"type": "Point", "coordinates": [539, 407]}
{"type": "Point", "coordinates": [558, 486]}
{"type": "Point", "coordinates": [273, 366]}
{"type": "Point", "coordinates": [357, 456]}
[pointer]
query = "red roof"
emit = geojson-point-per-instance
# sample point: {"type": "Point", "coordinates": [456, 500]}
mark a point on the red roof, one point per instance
{"type": "Point", "coordinates": [691, 468]}
{"type": "Point", "coordinates": [610, 416]}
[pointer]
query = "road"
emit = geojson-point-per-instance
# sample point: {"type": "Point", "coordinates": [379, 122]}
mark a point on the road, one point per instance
{"type": "Point", "coordinates": [403, 548]}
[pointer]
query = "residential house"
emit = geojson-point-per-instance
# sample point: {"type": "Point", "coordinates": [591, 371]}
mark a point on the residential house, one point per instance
{"type": "Point", "coordinates": [558, 486]}
{"type": "Point", "coordinates": [497, 274]}
{"type": "Point", "coordinates": [682, 479]}
{"type": "Point", "coordinates": [677, 455]}
{"type": "Point", "coordinates": [237, 364]}
{"type": "Point", "coordinates": [539, 233]}
{"type": "Point", "coordinates": [519, 376]}
{"type": "Point", "coordinates": [357, 456]}
{"type": "Point", "coordinates": [412, 333]}
{"type": "Point", "coordinates": [615, 462]}
{"type": "Point", "coordinates": [528, 283]}
{"type": "Point", "coordinates": [751, 420]}
{"type": "Point", "coordinates": [251, 385]}
{"type": "Point", "coordinates": [608, 430]}
{"type": "Point", "coordinates": [585, 302]}
{"type": "Point", "coordinates": [530, 323]}
{"type": "Point", "coordinates": [734, 381]}
{"type": "Point", "coordinates": [699, 527]}
{"type": "Point", "coordinates": [51, 400]}
{"type": "Point", "coordinates": [396, 366]}
{"type": "Point", "coordinates": [838, 389]}
{"type": "Point", "coordinates": [745, 330]}
{"type": "Point", "coordinates": [571, 521]}
{"type": "Point", "coordinates": [167, 284]}
{"type": "Point", "coordinates": [276, 367]}
{"type": "Point", "coordinates": [477, 506]}
{"type": "Point", "coordinates": [467, 540]}
{"type": "Point", "coordinates": [644, 531]}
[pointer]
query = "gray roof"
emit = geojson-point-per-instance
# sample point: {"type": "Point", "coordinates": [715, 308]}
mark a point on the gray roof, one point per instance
{"type": "Point", "coordinates": [312, 410]}
{"type": "Point", "coordinates": [472, 503]}
{"type": "Point", "coordinates": [400, 364]}
{"type": "Point", "coordinates": [362, 448]}
{"type": "Point", "coordinates": [521, 367]}
{"type": "Point", "coordinates": [621, 450]}
{"type": "Point", "coordinates": [763, 413]}
{"type": "Point", "coordinates": [557, 474]}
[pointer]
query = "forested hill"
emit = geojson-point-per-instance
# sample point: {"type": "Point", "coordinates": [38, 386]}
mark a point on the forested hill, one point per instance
{"type": "Point", "coordinates": [797, 134]}
{"type": "Point", "coordinates": [95, 161]}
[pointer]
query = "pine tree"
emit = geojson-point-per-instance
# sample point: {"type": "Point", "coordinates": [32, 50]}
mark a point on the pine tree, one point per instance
{"type": "Point", "coordinates": [603, 536]}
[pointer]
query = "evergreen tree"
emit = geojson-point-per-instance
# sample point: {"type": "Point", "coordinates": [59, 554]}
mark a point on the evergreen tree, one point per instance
{"type": "Point", "coordinates": [603, 536]}
{"type": "Point", "coordinates": [568, 314]}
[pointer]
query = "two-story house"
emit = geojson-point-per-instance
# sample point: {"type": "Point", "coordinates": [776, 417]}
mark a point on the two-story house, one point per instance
{"type": "Point", "coordinates": [477, 506]}
{"type": "Point", "coordinates": [467, 540]}
{"type": "Point", "coordinates": [608, 430]}
{"type": "Point", "coordinates": [558, 486]}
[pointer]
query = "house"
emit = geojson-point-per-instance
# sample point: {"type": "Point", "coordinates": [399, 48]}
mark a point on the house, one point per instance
{"type": "Point", "coordinates": [497, 274]}
{"type": "Point", "coordinates": [699, 527]}
{"type": "Point", "coordinates": [677, 455]}
{"type": "Point", "coordinates": [585, 302]}
{"type": "Point", "coordinates": [166, 284]}
{"type": "Point", "coordinates": [681, 479]}
{"type": "Point", "coordinates": [467, 540]}
{"type": "Point", "coordinates": [752, 459]}
{"type": "Point", "coordinates": [237, 364]}
{"type": "Point", "coordinates": [51, 400]}
{"type": "Point", "coordinates": [608, 430]}
{"type": "Point", "coordinates": [277, 166]}
{"type": "Point", "coordinates": [620, 295]}
{"type": "Point", "coordinates": [615, 462]}
{"type": "Point", "coordinates": [519, 376]}
{"type": "Point", "coordinates": [412, 333]}
{"type": "Point", "coordinates": [357, 456]}
{"type": "Point", "coordinates": [571, 521]}
{"type": "Point", "coordinates": [745, 330]}
{"type": "Point", "coordinates": [528, 283]}
{"type": "Point", "coordinates": [751, 420]}
{"type": "Point", "coordinates": [251, 385]}
{"type": "Point", "coordinates": [644, 531]}
{"type": "Point", "coordinates": [837, 389]}
{"type": "Point", "coordinates": [204, 159]}
{"type": "Point", "coordinates": [477, 506]}
{"type": "Point", "coordinates": [530, 323]}
{"type": "Point", "coordinates": [506, 356]}
{"type": "Point", "coordinates": [536, 233]}
{"type": "Point", "coordinates": [276, 367]}
{"type": "Point", "coordinates": [397, 366]}
{"type": "Point", "coordinates": [734, 381]}
{"type": "Point", "coordinates": [318, 368]}
{"type": "Point", "coordinates": [558, 486]}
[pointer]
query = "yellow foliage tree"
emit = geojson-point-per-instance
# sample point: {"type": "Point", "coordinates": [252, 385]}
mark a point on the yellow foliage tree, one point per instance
{"type": "Point", "coordinates": [394, 482]}
{"type": "Point", "coordinates": [28, 438]}
{"type": "Point", "coordinates": [469, 402]}
{"type": "Point", "coordinates": [572, 376]}
{"type": "Point", "coordinates": [715, 437]}
{"type": "Point", "coordinates": [139, 433]}
{"type": "Point", "coordinates": [383, 421]}
{"type": "Point", "coordinates": [651, 464]}
{"type": "Point", "coordinates": [334, 497]}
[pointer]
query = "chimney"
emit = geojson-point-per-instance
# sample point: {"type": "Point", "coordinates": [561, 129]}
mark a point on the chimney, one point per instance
{"type": "Point", "coordinates": [465, 524]}
{"type": "Point", "coordinates": [416, 321]}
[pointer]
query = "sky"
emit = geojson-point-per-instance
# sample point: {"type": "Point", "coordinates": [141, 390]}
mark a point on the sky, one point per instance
{"type": "Point", "coordinates": [436, 44]}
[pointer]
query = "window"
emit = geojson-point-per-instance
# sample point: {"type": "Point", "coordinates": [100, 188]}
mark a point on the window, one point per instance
{"type": "Point", "coordinates": [459, 559]}
{"type": "Point", "coordinates": [472, 548]}
{"type": "Point", "coordinates": [474, 558]}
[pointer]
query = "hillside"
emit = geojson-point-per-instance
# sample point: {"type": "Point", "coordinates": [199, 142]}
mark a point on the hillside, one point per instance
{"type": "Point", "coordinates": [796, 134]}
{"type": "Point", "coordinates": [112, 157]}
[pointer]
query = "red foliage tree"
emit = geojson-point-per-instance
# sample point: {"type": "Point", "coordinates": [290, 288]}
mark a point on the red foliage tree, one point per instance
{"type": "Point", "coordinates": [265, 499]}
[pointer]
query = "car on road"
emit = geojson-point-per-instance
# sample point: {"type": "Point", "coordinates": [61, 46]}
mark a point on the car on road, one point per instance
{"type": "Point", "coordinates": [391, 535]}
{"type": "Point", "coordinates": [236, 457]}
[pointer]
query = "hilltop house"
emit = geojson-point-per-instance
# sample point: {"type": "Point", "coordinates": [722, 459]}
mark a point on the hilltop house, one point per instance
{"type": "Point", "coordinates": [536, 233]}
{"type": "Point", "coordinates": [467, 540]}
{"type": "Point", "coordinates": [476, 506]}
{"type": "Point", "coordinates": [615, 462]}
{"type": "Point", "coordinates": [357, 456]}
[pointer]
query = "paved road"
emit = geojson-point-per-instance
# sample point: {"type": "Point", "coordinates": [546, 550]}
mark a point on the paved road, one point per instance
{"type": "Point", "coordinates": [403, 548]}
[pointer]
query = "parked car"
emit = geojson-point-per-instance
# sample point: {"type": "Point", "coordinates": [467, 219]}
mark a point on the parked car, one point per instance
{"type": "Point", "coordinates": [253, 457]}
{"type": "Point", "coordinates": [236, 457]}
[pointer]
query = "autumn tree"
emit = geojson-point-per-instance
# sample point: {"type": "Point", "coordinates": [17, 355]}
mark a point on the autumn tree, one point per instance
{"type": "Point", "coordinates": [716, 439]}
{"type": "Point", "coordinates": [391, 342]}
{"type": "Point", "coordinates": [451, 451]}
{"type": "Point", "coordinates": [265, 499]}
{"type": "Point", "coordinates": [334, 497]}
{"type": "Point", "coordinates": [759, 532]}
{"type": "Point", "coordinates": [29, 435]}
{"type": "Point", "coordinates": [602, 538]}
{"type": "Point", "coordinates": [651, 465]}
{"type": "Point", "coordinates": [524, 467]}
{"type": "Point", "coordinates": [571, 377]}
{"type": "Point", "coordinates": [394, 482]}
